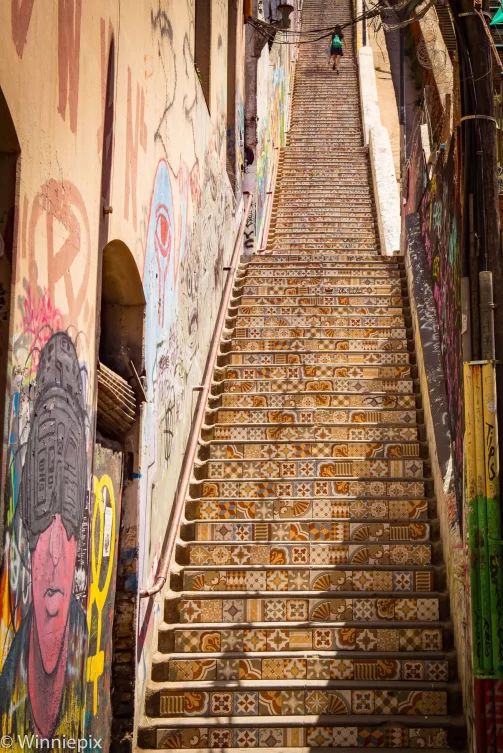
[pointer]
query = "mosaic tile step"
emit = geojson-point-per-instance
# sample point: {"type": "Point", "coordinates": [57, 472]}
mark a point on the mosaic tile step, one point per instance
{"type": "Point", "coordinates": [267, 283]}
{"type": "Point", "coordinates": [318, 344]}
{"type": "Point", "coordinates": [308, 668]}
{"type": "Point", "coordinates": [312, 320]}
{"type": "Point", "coordinates": [321, 311]}
{"type": "Point", "coordinates": [371, 264]}
{"type": "Point", "coordinates": [336, 332]}
{"type": "Point", "coordinates": [322, 432]}
{"type": "Point", "coordinates": [333, 301]}
{"type": "Point", "coordinates": [313, 372]}
{"type": "Point", "coordinates": [321, 241]}
{"type": "Point", "coordinates": [313, 530]}
{"type": "Point", "coordinates": [318, 385]}
{"type": "Point", "coordinates": [275, 579]}
{"type": "Point", "coordinates": [310, 702]}
{"type": "Point", "coordinates": [313, 609]}
{"type": "Point", "coordinates": [244, 454]}
{"type": "Point", "coordinates": [264, 471]}
{"type": "Point", "coordinates": [360, 638]}
{"type": "Point", "coordinates": [313, 418]}
{"type": "Point", "coordinates": [318, 400]}
{"type": "Point", "coordinates": [258, 275]}
{"type": "Point", "coordinates": [321, 260]}
{"type": "Point", "coordinates": [319, 509]}
{"type": "Point", "coordinates": [310, 553]}
{"type": "Point", "coordinates": [310, 359]}
{"type": "Point", "coordinates": [306, 489]}
{"type": "Point", "coordinates": [314, 737]}
{"type": "Point", "coordinates": [324, 289]}
{"type": "Point", "coordinates": [314, 415]}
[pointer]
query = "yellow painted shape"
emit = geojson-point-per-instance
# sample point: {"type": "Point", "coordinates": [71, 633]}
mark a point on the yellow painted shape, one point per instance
{"type": "Point", "coordinates": [97, 595]}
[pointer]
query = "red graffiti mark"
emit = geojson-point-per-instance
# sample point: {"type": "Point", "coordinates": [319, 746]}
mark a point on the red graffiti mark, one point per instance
{"type": "Point", "coordinates": [133, 137]}
{"type": "Point", "coordinates": [21, 11]}
{"type": "Point", "coordinates": [69, 18]}
{"type": "Point", "coordinates": [163, 242]}
{"type": "Point", "coordinates": [40, 320]}
{"type": "Point", "coordinates": [61, 203]}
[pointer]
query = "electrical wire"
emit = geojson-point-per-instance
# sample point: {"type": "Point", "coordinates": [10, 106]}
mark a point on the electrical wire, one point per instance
{"type": "Point", "coordinates": [270, 32]}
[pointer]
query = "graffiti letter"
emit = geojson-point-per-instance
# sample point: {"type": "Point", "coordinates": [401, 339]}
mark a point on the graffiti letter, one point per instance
{"type": "Point", "coordinates": [21, 11]}
{"type": "Point", "coordinates": [69, 15]}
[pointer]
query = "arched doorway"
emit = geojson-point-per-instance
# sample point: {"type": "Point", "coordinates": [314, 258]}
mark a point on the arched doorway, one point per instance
{"type": "Point", "coordinates": [116, 463]}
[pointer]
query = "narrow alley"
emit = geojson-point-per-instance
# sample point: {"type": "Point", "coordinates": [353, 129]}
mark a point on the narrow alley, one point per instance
{"type": "Point", "coordinates": [251, 338]}
{"type": "Point", "coordinates": [308, 606]}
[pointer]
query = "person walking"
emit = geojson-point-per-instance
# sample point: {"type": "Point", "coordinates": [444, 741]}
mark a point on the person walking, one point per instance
{"type": "Point", "coordinates": [337, 48]}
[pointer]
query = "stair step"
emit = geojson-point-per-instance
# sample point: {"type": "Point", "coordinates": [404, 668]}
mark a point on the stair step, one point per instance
{"type": "Point", "coordinates": [322, 509]}
{"type": "Point", "coordinates": [303, 553]}
{"type": "Point", "coordinates": [319, 398]}
{"type": "Point", "coordinates": [311, 531]}
{"type": "Point", "coordinates": [275, 579]}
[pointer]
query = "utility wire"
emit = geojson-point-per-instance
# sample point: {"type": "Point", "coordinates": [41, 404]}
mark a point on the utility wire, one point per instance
{"type": "Point", "coordinates": [270, 32]}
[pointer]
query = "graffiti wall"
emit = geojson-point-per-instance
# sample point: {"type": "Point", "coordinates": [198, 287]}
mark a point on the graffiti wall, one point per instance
{"type": "Point", "coordinates": [272, 107]}
{"type": "Point", "coordinates": [170, 201]}
{"type": "Point", "coordinates": [103, 544]}
{"type": "Point", "coordinates": [437, 200]}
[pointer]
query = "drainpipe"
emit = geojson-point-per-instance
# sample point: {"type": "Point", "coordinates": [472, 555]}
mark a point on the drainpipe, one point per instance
{"type": "Point", "coordinates": [487, 307]}
{"type": "Point", "coordinates": [364, 24]}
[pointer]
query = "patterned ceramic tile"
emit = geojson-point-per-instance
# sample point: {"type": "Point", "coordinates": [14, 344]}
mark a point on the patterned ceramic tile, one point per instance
{"type": "Point", "coordinates": [310, 511]}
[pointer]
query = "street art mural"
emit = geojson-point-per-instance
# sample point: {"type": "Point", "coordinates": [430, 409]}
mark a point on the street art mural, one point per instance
{"type": "Point", "coordinates": [272, 125]}
{"type": "Point", "coordinates": [43, 589]}
{"type": "Point", "coordinates": [104, 539]}
{"type": "Point", "coordinates": [189, 228]}
{"type": "Point", "coordinates": [437, 200]}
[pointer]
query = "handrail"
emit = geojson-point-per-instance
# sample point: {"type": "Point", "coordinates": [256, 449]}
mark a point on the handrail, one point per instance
{"type": "Point", "coordinates": [269, 204]}
{"type": "Point", "coordinates": [190, 455]}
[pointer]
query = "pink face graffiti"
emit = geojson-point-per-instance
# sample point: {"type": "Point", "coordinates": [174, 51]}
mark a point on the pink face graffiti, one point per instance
{"type": "Point", "coordinates": [53, 567]}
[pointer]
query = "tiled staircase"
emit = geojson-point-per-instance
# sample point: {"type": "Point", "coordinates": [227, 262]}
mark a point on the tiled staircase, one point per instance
{"type": "Point", "coordinates": [307, 609]}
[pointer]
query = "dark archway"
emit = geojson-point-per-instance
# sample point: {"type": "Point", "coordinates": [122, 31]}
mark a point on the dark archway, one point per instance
{"type": "Point", "coordinates": [120, 395]}
{"type": "Point", "coordinates": [9, 154]}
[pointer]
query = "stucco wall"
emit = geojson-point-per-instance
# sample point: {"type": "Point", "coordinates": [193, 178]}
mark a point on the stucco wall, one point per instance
{"type": "Point", "coordinates": [159, 157]}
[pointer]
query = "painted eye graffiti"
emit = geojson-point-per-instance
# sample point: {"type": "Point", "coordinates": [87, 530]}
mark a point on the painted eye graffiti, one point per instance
{"type": "Point", "coordinates": [163, 230]}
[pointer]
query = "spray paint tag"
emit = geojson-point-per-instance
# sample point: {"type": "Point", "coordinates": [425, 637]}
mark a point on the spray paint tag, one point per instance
{"type": "Point", "coordinates": [108, 532]}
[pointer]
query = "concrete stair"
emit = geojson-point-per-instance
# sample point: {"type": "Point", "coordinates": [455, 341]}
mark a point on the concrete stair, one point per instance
{"type": "Point", "coordinates": [307, 608]}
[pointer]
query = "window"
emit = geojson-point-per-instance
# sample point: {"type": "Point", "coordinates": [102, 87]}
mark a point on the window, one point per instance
{"type": "Point", "coordinates": [202, 47]}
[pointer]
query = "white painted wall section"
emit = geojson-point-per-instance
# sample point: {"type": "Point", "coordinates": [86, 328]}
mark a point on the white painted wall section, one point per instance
{"type": "Point", "coordinates": [385, 190]}
{"type": "Point", "coordinates": [368, 91]}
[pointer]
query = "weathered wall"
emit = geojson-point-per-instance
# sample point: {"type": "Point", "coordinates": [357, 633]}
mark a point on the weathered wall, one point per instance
{"type": "Point", "coordinates": [159, 157]}
{"type": "Point", "coordinates": [267, 102]}
{"type": "Point", "coordinates": [437, 201]}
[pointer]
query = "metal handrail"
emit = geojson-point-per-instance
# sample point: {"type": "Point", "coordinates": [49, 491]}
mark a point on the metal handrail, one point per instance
{"type": "Point", "coordinates": [190, 455]}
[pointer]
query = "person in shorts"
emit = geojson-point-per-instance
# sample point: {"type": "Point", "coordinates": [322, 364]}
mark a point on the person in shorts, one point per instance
{"type": "Point", "coordinates": [337, 48]}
